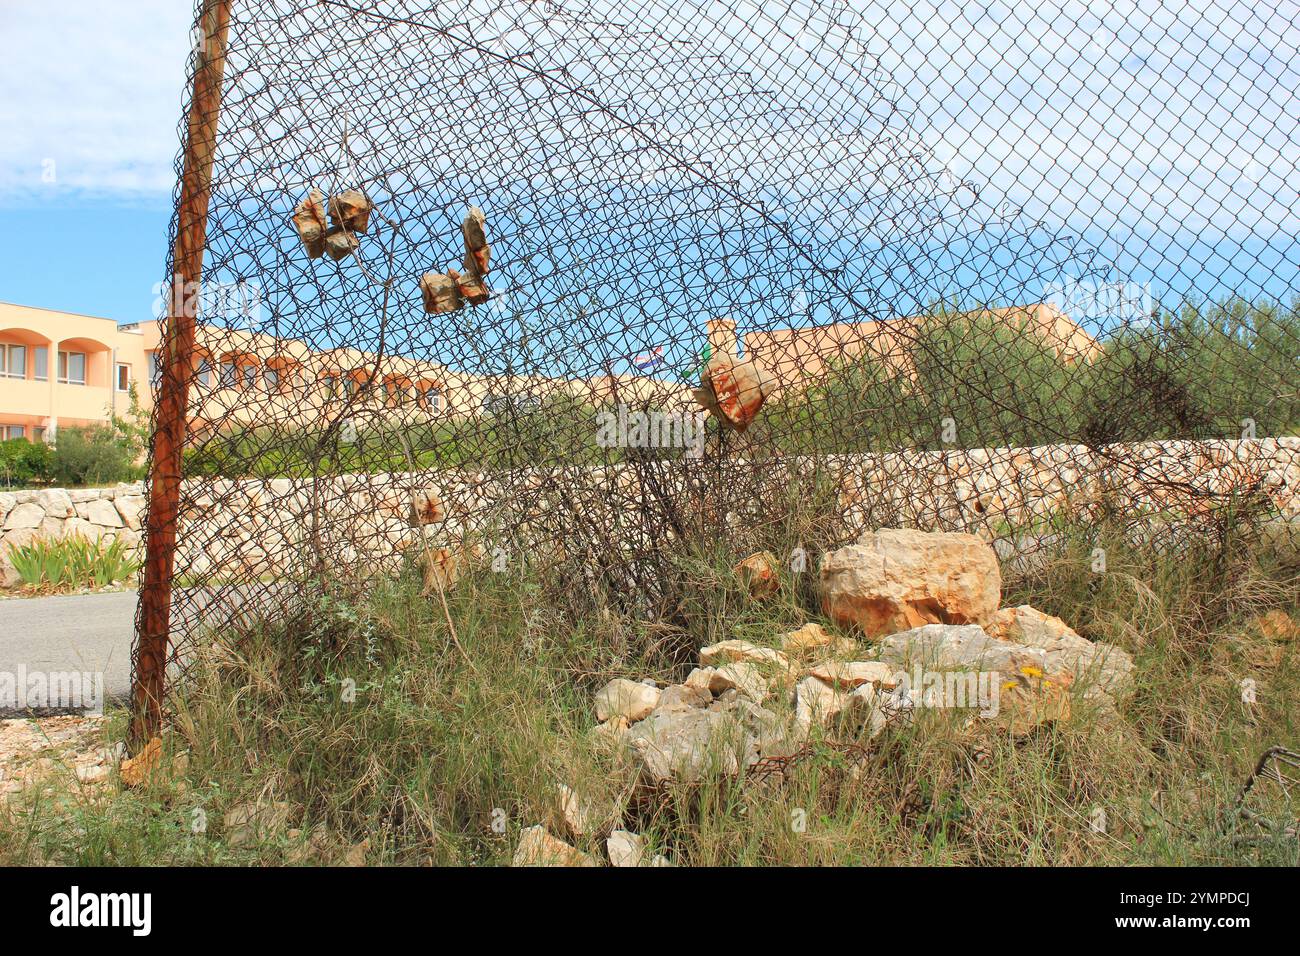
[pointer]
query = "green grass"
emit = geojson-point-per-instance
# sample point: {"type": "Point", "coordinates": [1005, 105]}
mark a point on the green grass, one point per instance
{"type": "Point", "coordinates": [65, 564]}
{"type": "Point", "coordinates": [437, 744]}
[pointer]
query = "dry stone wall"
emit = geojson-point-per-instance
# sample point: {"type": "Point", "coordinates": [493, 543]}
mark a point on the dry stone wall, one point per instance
{"type": "Point", "coordinates": [53, 513]}
{"type": "Point", "coordinates": [268, 528]}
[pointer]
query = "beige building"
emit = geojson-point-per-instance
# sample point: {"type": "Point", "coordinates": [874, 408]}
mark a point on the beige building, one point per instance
{"type": "Point", "coordinates": [240, 378]}
{"type": "Point", "coordinates": [58, 368]}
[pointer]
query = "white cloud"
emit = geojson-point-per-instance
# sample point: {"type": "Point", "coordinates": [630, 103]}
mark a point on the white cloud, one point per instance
{"type": "Point", "coordinates": [92, 92]}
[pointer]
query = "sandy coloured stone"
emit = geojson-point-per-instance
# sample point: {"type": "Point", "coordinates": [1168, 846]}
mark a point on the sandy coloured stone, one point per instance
{"type": "Point", "coordinates": [539, 848]}
{"type": "Point", "coordinates": [700, 677]}
{"type": "Point", "coordinates": [309, 220]}
{"type": "Point", "coordinates": [631, 699]}
{"type": "Point", "coordinates": [1096, 667]}
{"type": "Point", "coordinates": [340, 244]}
{"type": "Point", "coordinates": [730, 651]}
{"type": "Point", "coordinates": [1276, 625]}
{"type": "Point", "coordinates": [742, 676]}
{"type": "Point", "coordinates": [100, 512]}
{"type": "Point", "coordinates": [684, 745]}
{"type": "Point", "coordinates": [758, 574]}
{"type": "Point", "coordinates": [682, 696]}
{"type": "Point", "coordinates": [426, 507]}
{"type": "Point", "coordinates": [131, 509]}
{"type": "Point", "coordinates": [733, 391]}
{"type": "Point", "coordinates": [350, 210]}
{"type": "Point", "coordinates": [895, 579]}
{"type": "Point", "coordinates": [26, 515]}
{"type": "Point", "coordinates": [440, 292]}
{"type": "Point", "coordinates": [470, 287]}
{"type": "Point", "coordinates": [850, 674]}
{"type": "Point", "coordinates": [625, 848]}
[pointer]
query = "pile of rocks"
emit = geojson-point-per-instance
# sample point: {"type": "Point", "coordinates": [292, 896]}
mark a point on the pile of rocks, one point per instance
{"type": "Point", "coordinates": [40, 751]}
{"type": "Point", "coordinates": [922, 603]}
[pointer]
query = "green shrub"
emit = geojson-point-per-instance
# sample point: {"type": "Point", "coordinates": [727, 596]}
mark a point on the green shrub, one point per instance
{"type": "Point", "coordinates": [23, 463]}
{"type": "Point", "coordinates": [93, 455]}
{"type": "Point", "coordinates": [72, 562]}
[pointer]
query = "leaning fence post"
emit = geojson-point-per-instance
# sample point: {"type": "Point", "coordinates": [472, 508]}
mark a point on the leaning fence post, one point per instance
{"type": "Point", "coordinates": [177, 348]}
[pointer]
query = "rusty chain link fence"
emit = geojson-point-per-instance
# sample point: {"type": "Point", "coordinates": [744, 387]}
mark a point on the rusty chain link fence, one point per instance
{"type": "Point", "coordinates": [577, 283]}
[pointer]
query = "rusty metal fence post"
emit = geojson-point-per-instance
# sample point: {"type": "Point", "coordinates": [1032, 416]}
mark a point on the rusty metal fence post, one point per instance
{"type": "Point", "coordinates": [175, 368]}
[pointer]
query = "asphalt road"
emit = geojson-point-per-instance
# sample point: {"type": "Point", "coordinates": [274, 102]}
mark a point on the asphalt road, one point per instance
{"type": "Point", "coordinates": [75, 632]}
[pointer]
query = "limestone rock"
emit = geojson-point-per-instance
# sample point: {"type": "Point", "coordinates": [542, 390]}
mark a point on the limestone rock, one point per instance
{"type": "Point", "coordinates": [309, 220]}
{"type": "Point", "coordinates": [847, 675]}
{"type": "Point", "coordinates": [627, 698]}
{"type": "Point", "coordinates": [766, 734]}
{"type": "Point", "coordinates": [813, 637]}
{"type": "Point", "coordinates": [350, 210]}
{"type": "Point", "coordinates": [25, 515]}
{"type": "Point", "coordinates": [701, 678]}
{"type": "Point", "coordinates": [733, 651]}
{"type": "Point", "coordinates": [100, 512]}
{"type": "Point", "coordinates": [131, 508]}
{"type": "Point", "coordinates": [469, 286]}
{"type": "Point", "coordinates": [625, 848]}
{"type": "Point", "coordinates": [743, 677]}
{"type": "Point", "coordinates": [816, 704]}
{"type": "Point", "coordinates": [1096, 668]}
{"type": "Point", "coordinates": [440, 292]}
{"type": "Point", "coordinates": [340, 244]}
{"type": "Point", "coordinates": [136, 770]}
{"type": "Point", "coordinates": [581, 815]}
{"type": "Point", "coordinates": [684, 745]}
{"type": "Point", "coordinates": [9, 576]}
{"type": "Point", "coordinates": [683, 697]}
{"type": "Point", "coordinates": [758, 574]}
{"type": "Point", "coordinates": [896, 579]}
{"type": "Point", "coordinates": [539, 848]}
{"type": "Point", "coordinates": [56, 503]}
{"type": "Point", "coordinates": [426, 507]}
{"type": "Point", "coordinates": [441, 568]}
{"type": "Point", "coordinates": [250, 822]}
{"type": "Point", "coordinates": [1276, 625]}
{"type": "Point", "coordinates": [1029, 689]}
{"type": "Point", "coordinates": [612, 731]}
{"type": "Point", "coordinates": [478, 254]}
{"type": "Point", "coordinates": [954, 646]}
{"type": "Point", "coordinates": [733, 391]}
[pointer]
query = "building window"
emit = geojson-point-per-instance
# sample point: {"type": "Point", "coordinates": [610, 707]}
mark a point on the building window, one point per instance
{"type": "Point", "coordinates": [41, 361]}
{"type": "Point", "coordinates": [13, 361]}
{"type": "Point", "coordinates": [154, 369]}
{"type": "Point", "coordinates": [204, 376]}
{"type": "Point", "coordinates": [248, 376]}
{"type": "Point", "coordinates": [13, 431]}
{"type": "Point", "coordinates": [123, 381]}
{"type": "Point", "coordinates": [227, 376]}
{"type": "Point", "coordinates": [430, 399]}
{"type": "Point", "coordinates": [72, 368]}
{"type": "Point", "coordinates": [271, 378]}
{"type": "Point", "coordinates": [331, 385]}
{"type": "Point", "coordinates": [38, 433]}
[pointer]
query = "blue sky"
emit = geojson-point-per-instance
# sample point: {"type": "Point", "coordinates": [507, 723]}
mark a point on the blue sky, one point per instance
{"type": "Point", "coordinates": [90, 97]}
{"type": "Point", "coordinates": [1188, 111]}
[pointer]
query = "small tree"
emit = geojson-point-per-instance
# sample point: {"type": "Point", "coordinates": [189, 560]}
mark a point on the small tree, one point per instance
{"type": "Point", "coordinates": [23, 463]}
{"type": "Point", "coordinates": [101, 454]}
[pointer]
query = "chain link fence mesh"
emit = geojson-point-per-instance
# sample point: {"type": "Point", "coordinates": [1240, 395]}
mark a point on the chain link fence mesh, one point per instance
{"type": "Point", "coordinates": [581, 283]}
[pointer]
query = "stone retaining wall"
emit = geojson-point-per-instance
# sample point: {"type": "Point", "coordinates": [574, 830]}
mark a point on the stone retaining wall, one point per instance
{"type": "Point", "coordinates": [52, 513]}
{"type": "Point", "coordinates": [234, 530]}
